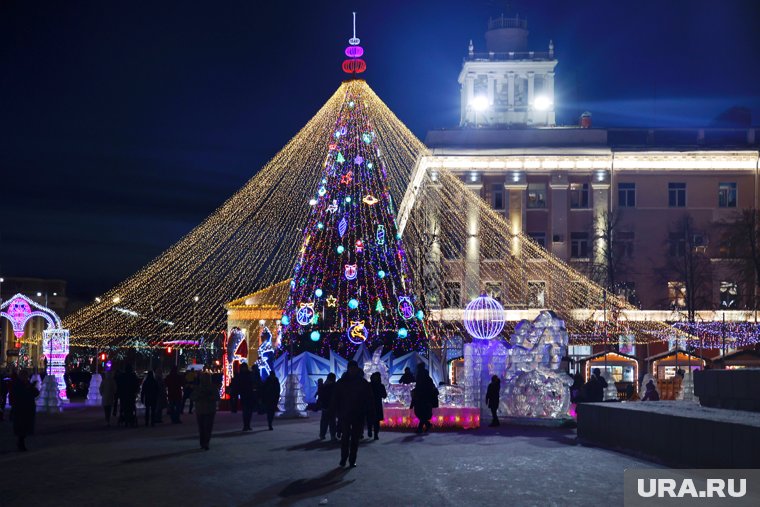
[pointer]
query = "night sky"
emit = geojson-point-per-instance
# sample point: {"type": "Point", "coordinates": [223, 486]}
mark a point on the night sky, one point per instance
{"type": "Point", "coordinates": [124, 124]}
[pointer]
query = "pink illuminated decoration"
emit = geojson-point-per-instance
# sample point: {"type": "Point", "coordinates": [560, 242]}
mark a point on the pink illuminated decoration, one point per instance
{"type": "Point", "coordinates": [354, 51]}
{"type": "Point", "coordinates": [55, 347]}
{"type": "Point", "coordinates": [354, 65]}
{"type": "Point", "coordinates": [20, 309]}
{"type": "Point", "coordinates": [402, 418]}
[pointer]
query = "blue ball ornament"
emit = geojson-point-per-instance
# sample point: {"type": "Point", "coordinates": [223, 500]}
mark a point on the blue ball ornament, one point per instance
{"type": "Point", "coordinates": [340, 249]}
{"type": "Point", "coordinates": [381, 274]}
{"type": "Point", "coordinates": [285, 320]}
{"type": "Point", "coordinates": [402, 332]}
{"type": "Point", "coordinates": [420, 315]}
{"type": "Point", "coordinates": [353, 304]}
{"type": "Point", "coordinates": [315, 336]}
{"type": "Point", "coordinates": [318, 293]}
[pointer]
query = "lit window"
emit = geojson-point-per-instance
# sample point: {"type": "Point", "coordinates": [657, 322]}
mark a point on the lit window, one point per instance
{"type": "Point", "coordinates": [627, 195]}
{"type": "Point", "coordinates": [498, 196]}
{"type": "Point", "coordinates": [452, 294]}
{"type": "Point", "coordinates": [727, 195]}
{"type": "Point", "coordinates": [579, 245]}
{"type": "Point", "coordinates": [579, 195]}
{"type": "Point", "coordinates": [729, 295]}
{"type": "Point", "coordinates": [677, 195]}
{"type": "Point", "coordinates": [536, 195]}
{"type": "Point", "coordinates": [538, 237]}
{"type": "Point", "coordinates": [676, 295]}
{"type": "Point", "coordinates": [536, 294]}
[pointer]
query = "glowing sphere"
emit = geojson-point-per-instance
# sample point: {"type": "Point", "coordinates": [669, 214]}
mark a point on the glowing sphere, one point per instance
{"type": "Point", "coordinates": [318, 293]}
{"type": "Point", "coordinates": [315, 336]}
{"type": "Point", "coordinates": [420, 314]}
{"type": "Point", "coordinates": [484, 318]}
{"type": "Point", "coordinates": [353, 304]}
{"type": "Point", "coordinates": [320, 225]}
{"type": "Point", "coordinates": [381, 274]}
{"type": "Point", "coordinates": [285, 320]}
{"type": "Point", "coordinates": [312, 202]}
{"type": "Point", "coordinates": [348, 199]}
{"type": "Point", "coordinates": [340, 249]}
{"type": "Point", "coordinates": [402, 332]}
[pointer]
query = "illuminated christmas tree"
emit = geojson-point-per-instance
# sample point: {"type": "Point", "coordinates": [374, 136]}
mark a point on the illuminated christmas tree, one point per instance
{"type": "Point", "coordinates": [352, 284]}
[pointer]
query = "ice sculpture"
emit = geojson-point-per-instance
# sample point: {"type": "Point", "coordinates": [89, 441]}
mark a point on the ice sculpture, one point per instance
{"type": "Point", "coordinates": [93, 391]}
{"type": "Point", "coordinates": [534, 385]}
{"type": "Point", "coordinates": [687, 388]}
{"type": "Point", "coordinates": [292, 402]}
{"type": "Point", "coordinates": [49, 399]}
{"type": "Point", "coordinates": [376, 364]}
{"type": "Point", "coordinates": [611, 391]}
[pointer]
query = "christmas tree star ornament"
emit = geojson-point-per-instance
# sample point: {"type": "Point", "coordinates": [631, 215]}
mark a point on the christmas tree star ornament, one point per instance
{"type": "Point", "coordinates": [332, 301]}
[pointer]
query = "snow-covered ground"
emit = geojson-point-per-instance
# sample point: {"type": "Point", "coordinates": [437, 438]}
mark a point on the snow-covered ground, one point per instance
{"type": "Point", "coordinates": [75, 460]}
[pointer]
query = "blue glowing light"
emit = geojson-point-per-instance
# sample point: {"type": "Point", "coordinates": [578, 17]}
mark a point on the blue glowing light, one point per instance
{"type": "Point", "coordinates": [285, 320]}
{"type": "Point", "coordinates": [353, 304]}
{"type": "Point", "coordinates": [318, 293]}
{"type": "Point", "coordinates": [348, 198]}
{"type": "Point", "coordinates": [420, 314]}
{"type": "Point", "coordinates": [340, 249]}
{"type": "Point", "coordinates": [315, 336]}
{"type": "Point", "coordinates": [381, 274]}
{"type": "Point", "coordinates": [402, 332]}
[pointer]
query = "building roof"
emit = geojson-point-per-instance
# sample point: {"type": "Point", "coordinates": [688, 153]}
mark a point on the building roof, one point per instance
{"type": "Point", "coordinates": [619, 138]}
{"type": "Point", "coordinates": [602, 354]}
{"type": "Point", "coordinates": [739, 355]}
{"type": "Point", "coordinates": [672, 353]}
{"type": "Point", "coordinates": [272, 297]}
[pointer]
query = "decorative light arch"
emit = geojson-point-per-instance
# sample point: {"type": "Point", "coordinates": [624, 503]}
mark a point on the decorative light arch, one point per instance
{"type": "Point", "coordinates": [55, 340]}
{"type": "Point", "coordinates": [20, 309]}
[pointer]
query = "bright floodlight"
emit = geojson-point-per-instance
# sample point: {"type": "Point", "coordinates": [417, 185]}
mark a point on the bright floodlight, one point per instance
{"type": "Point", "coordinates": [542, 103]}
{"type": "Point", "coordinates": [480, 103]}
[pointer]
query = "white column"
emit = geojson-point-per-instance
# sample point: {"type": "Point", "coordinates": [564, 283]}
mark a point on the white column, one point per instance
{"type": "Point", "coordinates": [491, 86]}
{"type": "Point", "coordinates": [472, 248]}
{"type": "Point", "coordinates": [511, 90]}
{"type": "Point", "coordinates": [469, 93]}
{"type": "Point", "coordinates": [531, 81]}
{"type": "Point", "coordinates": [600, 186]}
{"type": "Point", "coordinates": [549, 87]}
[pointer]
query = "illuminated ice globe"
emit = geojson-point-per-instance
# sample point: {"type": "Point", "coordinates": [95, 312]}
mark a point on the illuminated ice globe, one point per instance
{"type": "Point", "coordinates": [484, 318]}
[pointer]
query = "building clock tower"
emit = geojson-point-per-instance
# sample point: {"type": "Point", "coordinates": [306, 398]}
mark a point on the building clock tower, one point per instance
{"type": "Point", "coordinates": [508, 85]}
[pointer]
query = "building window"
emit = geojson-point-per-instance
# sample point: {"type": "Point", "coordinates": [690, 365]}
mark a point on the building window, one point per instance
{"type": "Point", "coordinates": [579, 245]}
{"type": "Point", "coordinates": [625, 241]}
{"type": "Point", "coordinates": [677, 195]}
{"type": "Point", "coordinates": [727, 195]}
{"type": "Point", "coordinates": [536, 195]}
{"type": "Point", "coordinates": [536, 294]}
{"type": "Point", "coordinates": [676, 245]}
{"type": "Point", "coordinates": [626, 195]}
{"type": "Point", "coordinates": [493, 289]}
{"type": "Point", "coordinates": [538, 237]}
{"type": "Point", "coordinates": [578, 195]}
{"type": "Point", "coordinates": [676, 295]}
{"type": "Point", "coordinates": [497, 196]}
{"type": "Point", "coordinates": [626, 290]}
{"type": "Point", "coordinates": [452, 294]}
{"type": "Point", "coordinates": [729, 295]}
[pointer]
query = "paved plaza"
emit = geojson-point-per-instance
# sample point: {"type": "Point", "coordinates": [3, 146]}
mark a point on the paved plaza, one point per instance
{"type": "Point", "coordinates": [75, 460]}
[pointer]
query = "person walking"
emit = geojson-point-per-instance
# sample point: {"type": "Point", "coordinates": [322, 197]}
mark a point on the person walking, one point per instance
{"type": "Point", "coordinates": [161, 399]}
{"type": "Point", "coordinates": [205, 396]}
{"type": "Point", "coordinates": [117, 378]}
{"type": "Point", "coordinates": [424, 397]}
{"type": "Point", "coordinates": [149, 398]}
{"type": "Point", "coordinates": [270, 397]}
{"type": "Point", "coordinates": [190, 381]}
{"type": "Point", "coordinates": [107, 394]}
{"type": "Point", "coordinates": [24, 409]}
{"type": "Point", "coordinates": [407, 377]}
{"type": "Point", "coordinates": [232, 390]}
{"type": "Point", "coordinates": [594, 388]}
{"type": "Point", "coordinates": [352, 403]}
{"type": "Point", "coordinates": [379, 393]}
{"type": "Point", "coordinates": [127, 389]}
{"type": "Point", "coordinates": [245, 391]}
{"type": "Point", "coordinates": [174, 382]}
{"type": "Point", "coordinates": [327, 419]}
{"type": "Point", "coordinates": [492, 399]}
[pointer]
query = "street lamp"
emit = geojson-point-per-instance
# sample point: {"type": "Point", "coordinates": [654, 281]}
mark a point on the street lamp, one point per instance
{"type": "Point", "coordinates": [479, 104]}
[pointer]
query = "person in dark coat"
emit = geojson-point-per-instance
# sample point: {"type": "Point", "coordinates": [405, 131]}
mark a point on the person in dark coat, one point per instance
{"type": "Point", "coordinates": [594, 388]}
{"type": "Point", "coordinates": [174, 383]}
{"type": "Point", "coordinates": [378, 395]}
{"type": "Point", "coordinates": [492, 398]}
{"type": "Point", "coordinates": [651, 393]}
{"type": "Point", "coordinates": [24, 409]}
{"type": "Point", "coordinates": [327, 421]}
{"type": "Point", "coordinates": [424, 397]}
{"type": "Point", "coordinates": [127, 392]}
{"type": "Point", "coordinates": [407, 377]}
{"type": "Point", "coordinates": [149, 398]}
{"type": "Point", "coordinates": [245, 391]}
{"type": "Point", "coordinates": [205, 397]}
{"type": "Point", "coordinates": [577, 388]}
{"type": "Point", "coordinates": [352, 403]}
{"type": "Point", "coordinates": [270, 397]}
{"type": "Point", "coordinates": [232, 390]}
